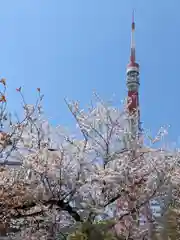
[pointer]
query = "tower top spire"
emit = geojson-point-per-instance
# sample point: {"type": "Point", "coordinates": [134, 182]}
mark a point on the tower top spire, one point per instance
{"type": "Point", "coordinates": [132, 56]}
{"type": "Point", "coordinates": [132, 62]}
{"type": "Point", "coordinates": [133, 23]}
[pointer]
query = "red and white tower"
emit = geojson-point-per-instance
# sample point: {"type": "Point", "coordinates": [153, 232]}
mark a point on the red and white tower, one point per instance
{"type": "Point", "coordinates": [133, 84]}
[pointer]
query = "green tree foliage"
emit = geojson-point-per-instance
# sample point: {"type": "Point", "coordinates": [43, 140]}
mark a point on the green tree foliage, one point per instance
{"type": "Point", "coordinates": [172, 226]}
{"type": "Point", "coordinates": [102, 230]}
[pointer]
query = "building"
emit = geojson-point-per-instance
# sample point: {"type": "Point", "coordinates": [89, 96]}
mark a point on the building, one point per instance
{"type": "Point", "coordinates": [132, 82]}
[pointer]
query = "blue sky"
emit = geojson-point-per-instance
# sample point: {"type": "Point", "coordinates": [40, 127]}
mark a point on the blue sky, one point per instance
{"type": "Point", "coordinates": [70, 48]}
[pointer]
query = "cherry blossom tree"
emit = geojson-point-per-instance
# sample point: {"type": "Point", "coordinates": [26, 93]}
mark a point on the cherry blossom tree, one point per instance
{"type": "Point", "coordinates": [69, 183]}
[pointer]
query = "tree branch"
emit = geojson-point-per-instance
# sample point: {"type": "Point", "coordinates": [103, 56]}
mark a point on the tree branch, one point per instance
{"type": "Point", "coordinates": [60, 203]}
